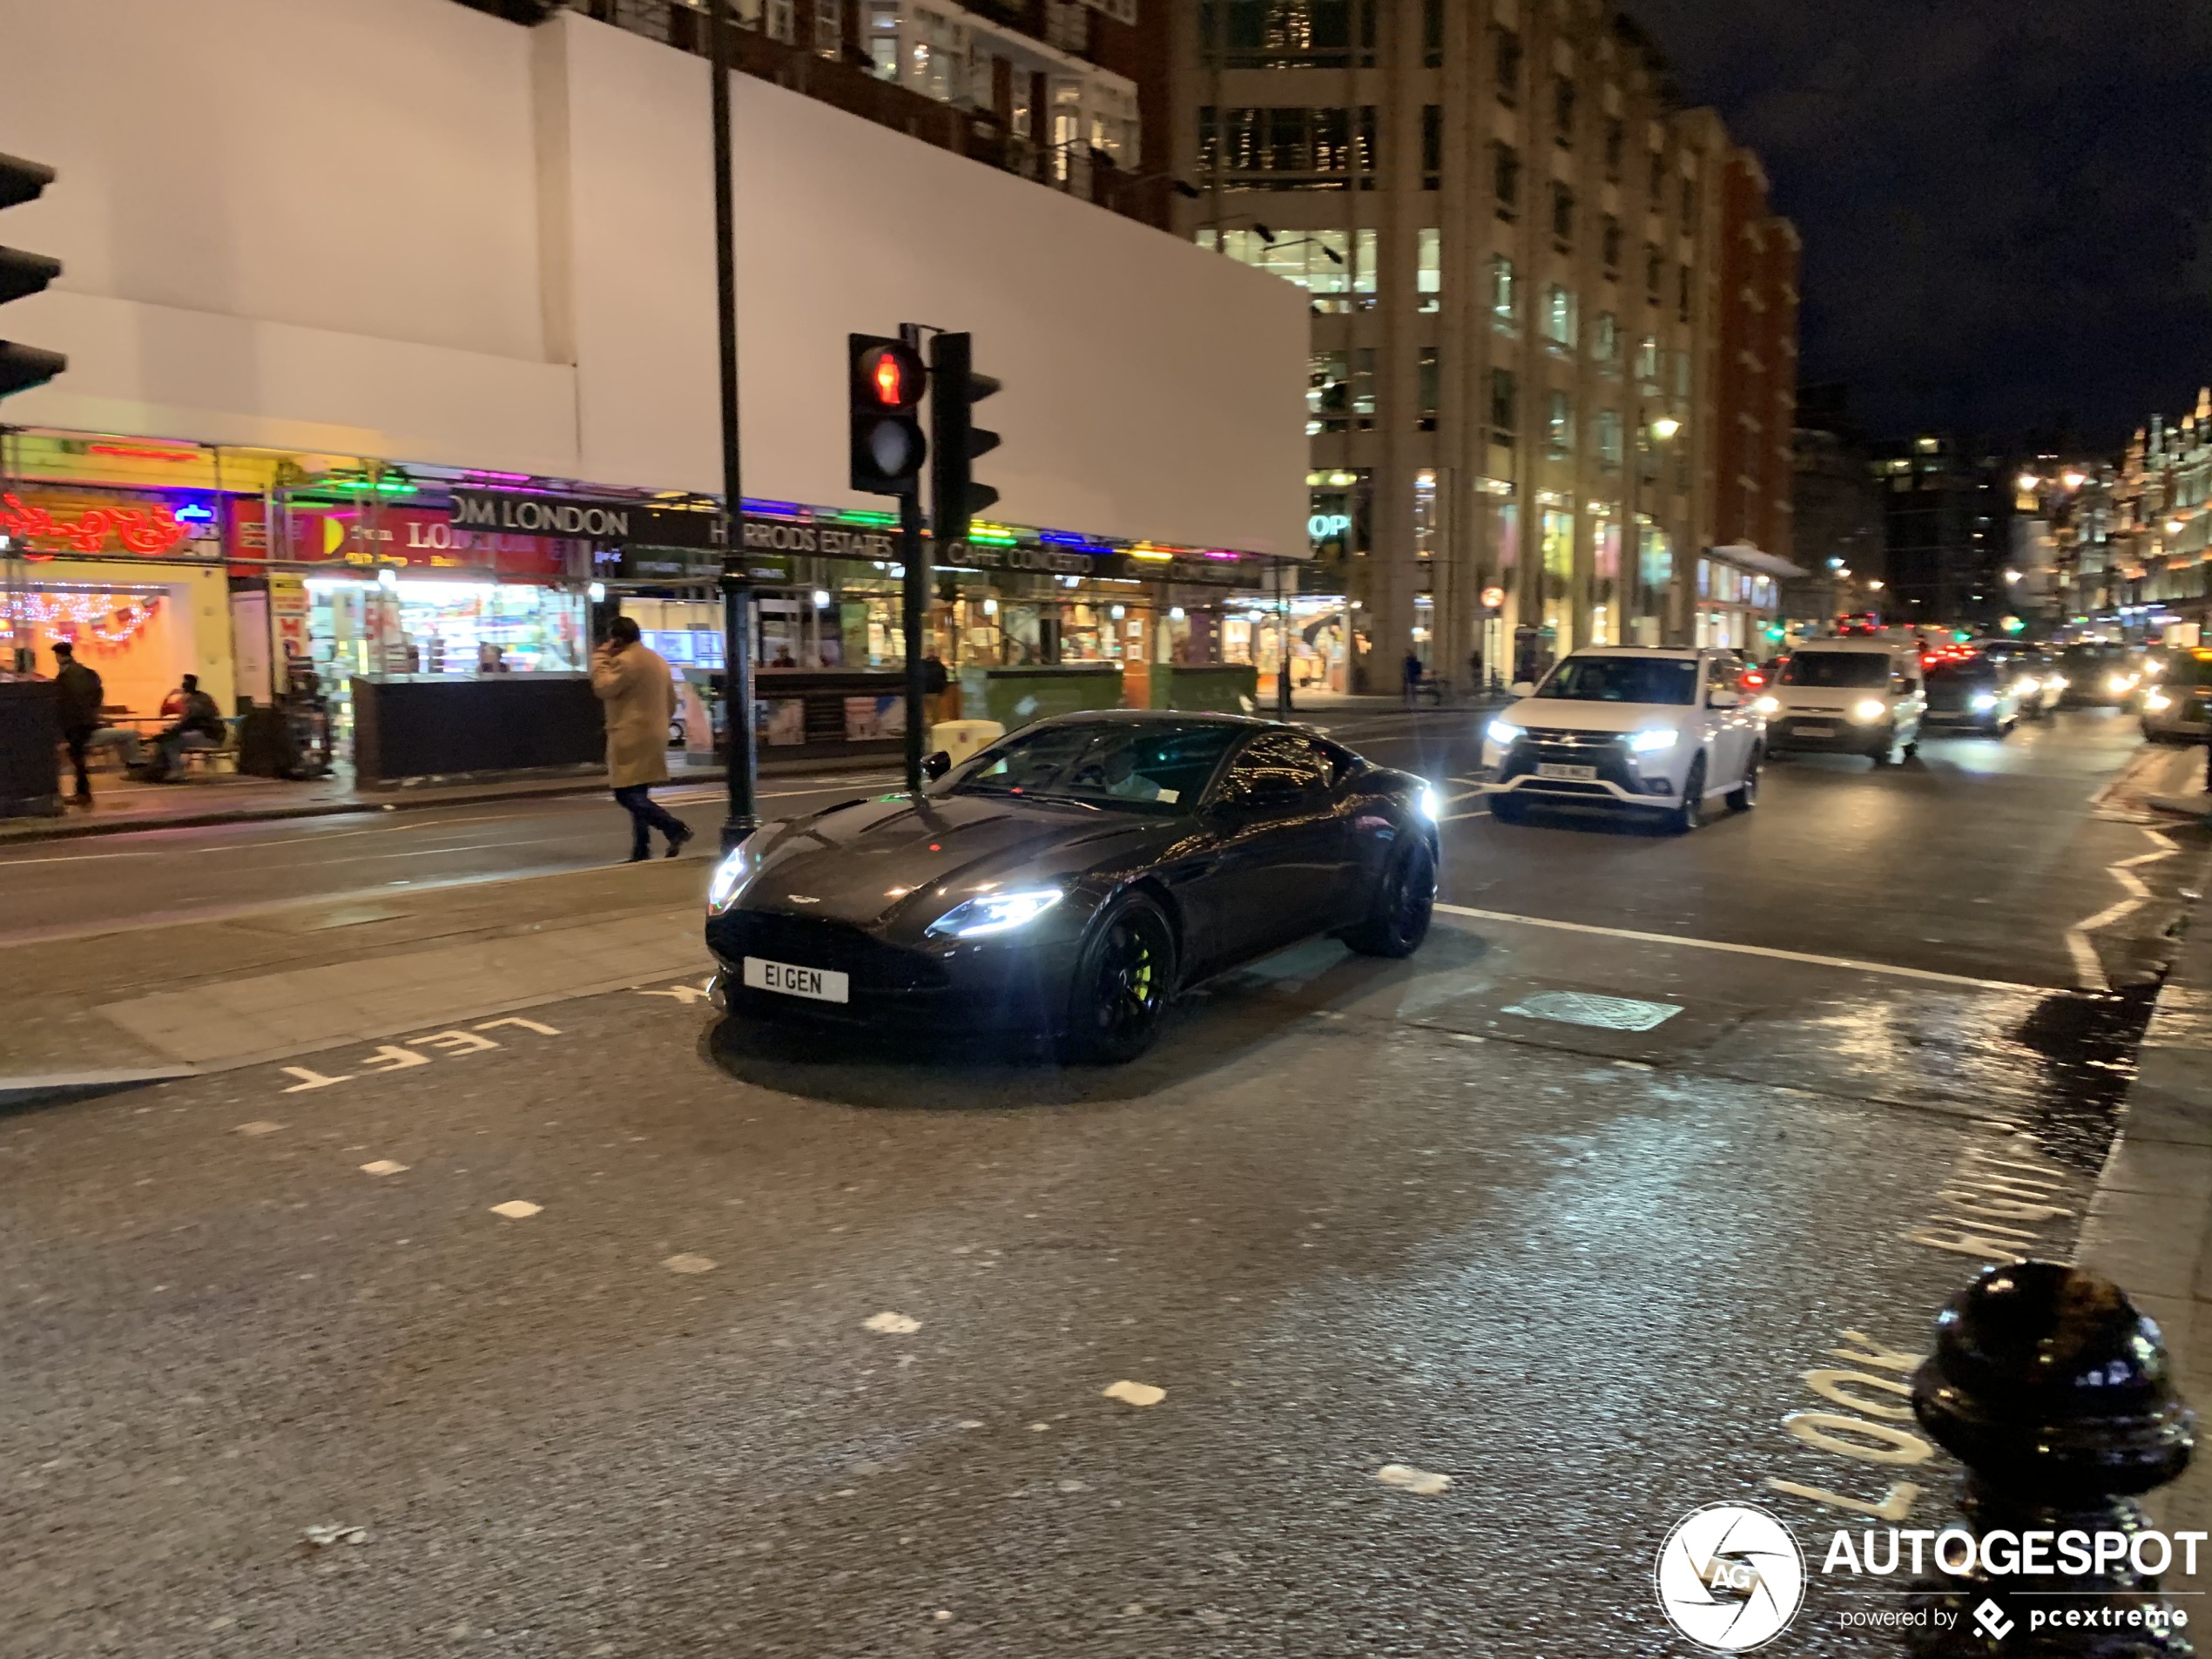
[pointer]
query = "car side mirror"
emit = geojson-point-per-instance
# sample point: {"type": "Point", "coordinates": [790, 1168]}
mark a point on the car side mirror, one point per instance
{"type": "Point", "coordinates": [1523, 688]}
{"type": "Point", "coordinates": [935, 767]}
{"type": "Point", "coordinates": [1721, 697]}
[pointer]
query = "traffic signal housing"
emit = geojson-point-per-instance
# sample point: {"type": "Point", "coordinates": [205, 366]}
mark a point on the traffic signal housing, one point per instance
{"type": "Point", "coordinates": [885, 377]}
{"type": "Point", "coordinates": [21, 274]}
{"type": "Point", "coordinates": [954, 390]}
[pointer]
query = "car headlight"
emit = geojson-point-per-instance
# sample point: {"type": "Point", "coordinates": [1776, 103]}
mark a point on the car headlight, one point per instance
{"type": "Point", "coordinates": [2029, 685]}
{"type": "Point", "coordinates": [1504, 733]}
{"type": "Point", "coordinates": [994, 912]}
{"type": "Point", "coordinates": [2158, 702]}
{"type": "Point", "coordinates": [730, 877]}
{"type": "Point", "coordinates": [1769, 706]}
{"type": "Point", "coordinates": [1868, 710]}
{"type": "Point", "coordinates": [2120, 684]}
{"type": "Point", "coordinates": [1432, 804]}
{"type": "Point", "coordinates": [1984, 701]}
{"type": "Point", "coordinates": [1654, 740]}
{"type": "Point", "coordinates": [2057, 682]}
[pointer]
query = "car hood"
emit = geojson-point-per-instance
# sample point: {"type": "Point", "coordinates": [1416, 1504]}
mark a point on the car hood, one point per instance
{"type": "Point", "coordinates": [1564, 714]}
{"type": "Point", "coordinates": [866, 861]}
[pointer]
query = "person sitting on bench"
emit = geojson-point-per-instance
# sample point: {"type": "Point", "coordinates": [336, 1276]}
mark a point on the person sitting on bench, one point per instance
{"type": "Point", "coordinates": [198, 725]}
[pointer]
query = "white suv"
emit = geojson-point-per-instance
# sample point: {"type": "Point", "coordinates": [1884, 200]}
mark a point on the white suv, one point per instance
{"type": "Point", "coordinates": [1629, 727]}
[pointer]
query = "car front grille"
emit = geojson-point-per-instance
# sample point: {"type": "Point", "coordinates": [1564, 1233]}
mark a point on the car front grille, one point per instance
{"type": "Point", "coordinates": [1560, 745]}
{"type": "Point", "coordinates": [872, 964]}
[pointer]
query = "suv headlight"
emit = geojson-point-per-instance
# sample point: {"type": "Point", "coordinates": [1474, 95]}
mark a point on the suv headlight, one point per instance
{"type": "Point", "coordinates": [994, 912]}
{"type": "Point", "coordinates": [1984, 701]}
{"type": "Point", "coordinates": [1432, 804]}
{"type": "Point", "coordinates": [1868, 710]}
{"type": "Point", "coordinates": [1769, 706]}
{"type": "Point", "coordinates": [1504, 733]}
{"type": "Point", "coordinates": [2158, 702]}
{"type": "Point", "coordinates": [1653, 740]}
{"type": "Point", "coordinates": [730, 877]}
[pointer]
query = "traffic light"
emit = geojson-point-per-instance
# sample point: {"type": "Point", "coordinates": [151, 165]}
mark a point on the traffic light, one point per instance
{"type": "Point", "coordinates": [887, 379]}
{"type": "Point", "coordinates": [24, 366]}
{"type": "Point", "coordinates": [954, 390]}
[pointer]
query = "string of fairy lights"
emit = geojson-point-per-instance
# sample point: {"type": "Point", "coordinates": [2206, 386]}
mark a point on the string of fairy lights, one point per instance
{"type": "Point", "coordinates": [103, 619]}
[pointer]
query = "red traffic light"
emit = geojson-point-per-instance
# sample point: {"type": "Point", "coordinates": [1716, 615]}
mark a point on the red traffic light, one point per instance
{"type": "Point", "coordinates": [889, 380]}
{"type": "Point", "coordinates": [889, 376]}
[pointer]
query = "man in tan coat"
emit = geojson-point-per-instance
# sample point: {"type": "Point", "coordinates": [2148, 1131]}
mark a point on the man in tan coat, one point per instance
{"type": "Point", "coordinates": [640, 694]}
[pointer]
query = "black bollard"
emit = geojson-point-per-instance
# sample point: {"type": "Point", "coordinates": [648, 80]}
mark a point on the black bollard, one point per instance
{"type": "Point", "coordinates": [2057, 1396]}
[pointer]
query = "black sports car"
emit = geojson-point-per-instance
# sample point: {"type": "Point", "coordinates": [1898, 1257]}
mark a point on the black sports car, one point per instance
{"type": "Point", "coordinates": [1069, 880]}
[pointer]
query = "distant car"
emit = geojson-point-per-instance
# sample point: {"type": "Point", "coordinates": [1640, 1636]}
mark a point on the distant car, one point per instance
{"type": "Point", "coordinates": [1628, 728]}
{"type": "Point", "coordinates": [2041, 682]}
{"type": "Point", "coordinates": [1849, 697]}
{"type": "Point", "coordinates": [2099, 675]}
{"type": "Point", "coordinates": [2177, 705]}
{"type": "Point", "coordinates": [1967, 689]}
{"type": "Point", "coordinates": [1069, 882]}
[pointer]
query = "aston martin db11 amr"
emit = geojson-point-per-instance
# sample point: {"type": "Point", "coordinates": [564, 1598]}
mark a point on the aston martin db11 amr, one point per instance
{"type": "Point", "coordinates": [1069, 882]}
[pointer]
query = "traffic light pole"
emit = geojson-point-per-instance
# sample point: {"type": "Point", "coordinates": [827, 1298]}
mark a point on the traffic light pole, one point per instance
{"type": "Point", "coordinates": [914, 607]}
{"type": "Point", "coordinates": [742, 754]}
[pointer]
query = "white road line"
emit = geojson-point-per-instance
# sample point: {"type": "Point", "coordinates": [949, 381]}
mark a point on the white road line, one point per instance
{"type": "Point", "coordinates": [2087, 968]}
{"type": "Point", "coordinates": [2088, 965]}
{"type": "Point", "coordinates": [1455, 817]}
{"type": "Point", "coordinates": [1847, 962]}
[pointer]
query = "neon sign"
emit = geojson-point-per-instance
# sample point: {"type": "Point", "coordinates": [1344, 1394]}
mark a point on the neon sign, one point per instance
{"type": "Point", "coordinates": [140, 529]}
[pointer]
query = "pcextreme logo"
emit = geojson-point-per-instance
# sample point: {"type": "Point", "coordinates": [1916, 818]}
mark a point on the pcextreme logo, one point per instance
{"type": "Point", "coordinates": [1731, 1577]}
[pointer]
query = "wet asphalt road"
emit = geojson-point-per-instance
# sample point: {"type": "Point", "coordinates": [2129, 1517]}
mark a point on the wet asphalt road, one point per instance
{"type": "Point", "coordinates": [1349, 1214]}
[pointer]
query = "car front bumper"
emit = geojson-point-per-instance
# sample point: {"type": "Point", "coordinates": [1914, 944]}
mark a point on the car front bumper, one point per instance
{"type": "Point", "coordinates": [1826, 734]}
{"type": "Point", "coordinates": [1007, 984]}
{"type": "Point", "coordinates": [1615, 779]}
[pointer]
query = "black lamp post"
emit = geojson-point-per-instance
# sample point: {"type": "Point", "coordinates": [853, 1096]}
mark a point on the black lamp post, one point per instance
{"type": "Point", "coordinates": [737, 589]}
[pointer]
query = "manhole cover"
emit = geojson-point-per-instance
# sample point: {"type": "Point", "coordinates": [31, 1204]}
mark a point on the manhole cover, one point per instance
{"type": "Point", "coordinates": [1585, 1008]}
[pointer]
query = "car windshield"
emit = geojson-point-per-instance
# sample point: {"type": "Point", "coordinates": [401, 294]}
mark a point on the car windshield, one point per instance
{"type": "Point", "coordinates": [1623, 679]}
{"type": "Point", "coordinates": [1964, 671]}
{"type": "Point", "coordinates": [2093, 656]}
{"type": "Point", "coordinates": [2188, 668]}
{"type": "Point", "coordinates": [1128, 764]}
{"type": "Point", "coordinates": [1837, 669]}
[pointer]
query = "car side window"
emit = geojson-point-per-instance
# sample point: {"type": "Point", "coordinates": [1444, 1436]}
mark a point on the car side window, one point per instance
{"type": "Point", "coordinates": [1288, 766]}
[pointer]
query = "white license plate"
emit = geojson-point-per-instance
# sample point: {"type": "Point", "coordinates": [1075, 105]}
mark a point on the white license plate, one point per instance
{"type": "Point", "coordinates": [817, 983]}
{"type": "Point", "coordinates": [1583, 774]}
{"type": "Point", "coordinates": [1815, 729]}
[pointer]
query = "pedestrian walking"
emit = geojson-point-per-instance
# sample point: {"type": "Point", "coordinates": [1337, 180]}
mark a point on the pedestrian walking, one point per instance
{"type": "Point", "coordinates": [1412, 673]}
{"type": "Point", "coordinates": [81, 696]}
{"type": "Point", "coordinates": [640, 694]}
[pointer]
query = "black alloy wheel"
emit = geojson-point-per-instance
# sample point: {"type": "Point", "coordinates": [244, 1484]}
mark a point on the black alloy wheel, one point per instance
{"type": "Point", "coordinates": [1508, 809]}
{"type": "Point", "coordinates": [1690, 813]}
{"type": "Point", "coordinates": [1122, 983]}
{"type": "Point", "coordinates": [1745, 795]}
{"type": "Point", "coordinates": [1403, 903]}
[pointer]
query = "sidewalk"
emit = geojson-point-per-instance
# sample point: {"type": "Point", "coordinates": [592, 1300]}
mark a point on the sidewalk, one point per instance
{"type": "Point", "coordinates": [230, 798]}
{"type": "Point", "coordinates": [2149, 1225]}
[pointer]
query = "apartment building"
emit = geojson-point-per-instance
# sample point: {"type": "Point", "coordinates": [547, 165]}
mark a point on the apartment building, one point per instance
{"type": "Point", "coordinates": [1053, 90]}
{"type": "Point", "coordinates": [1554, 319]}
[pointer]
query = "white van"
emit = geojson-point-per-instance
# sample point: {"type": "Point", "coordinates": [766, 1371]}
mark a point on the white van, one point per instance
{"type": "Point", "coordinates": [1862, 696]}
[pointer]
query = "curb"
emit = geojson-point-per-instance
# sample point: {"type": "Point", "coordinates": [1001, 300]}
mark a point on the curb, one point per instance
{"type": "Point", "coordinates": [404, 800]}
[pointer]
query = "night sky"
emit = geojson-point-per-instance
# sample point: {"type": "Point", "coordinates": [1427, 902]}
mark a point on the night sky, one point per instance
{"type": "Point", "coordinates": [2007, 207]}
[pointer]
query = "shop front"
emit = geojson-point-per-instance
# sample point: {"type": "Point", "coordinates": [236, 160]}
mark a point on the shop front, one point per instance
{"type": "Point", "coordinates": [133, 581]}
{"type": "Point", "coordinates": [1739, 599]}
